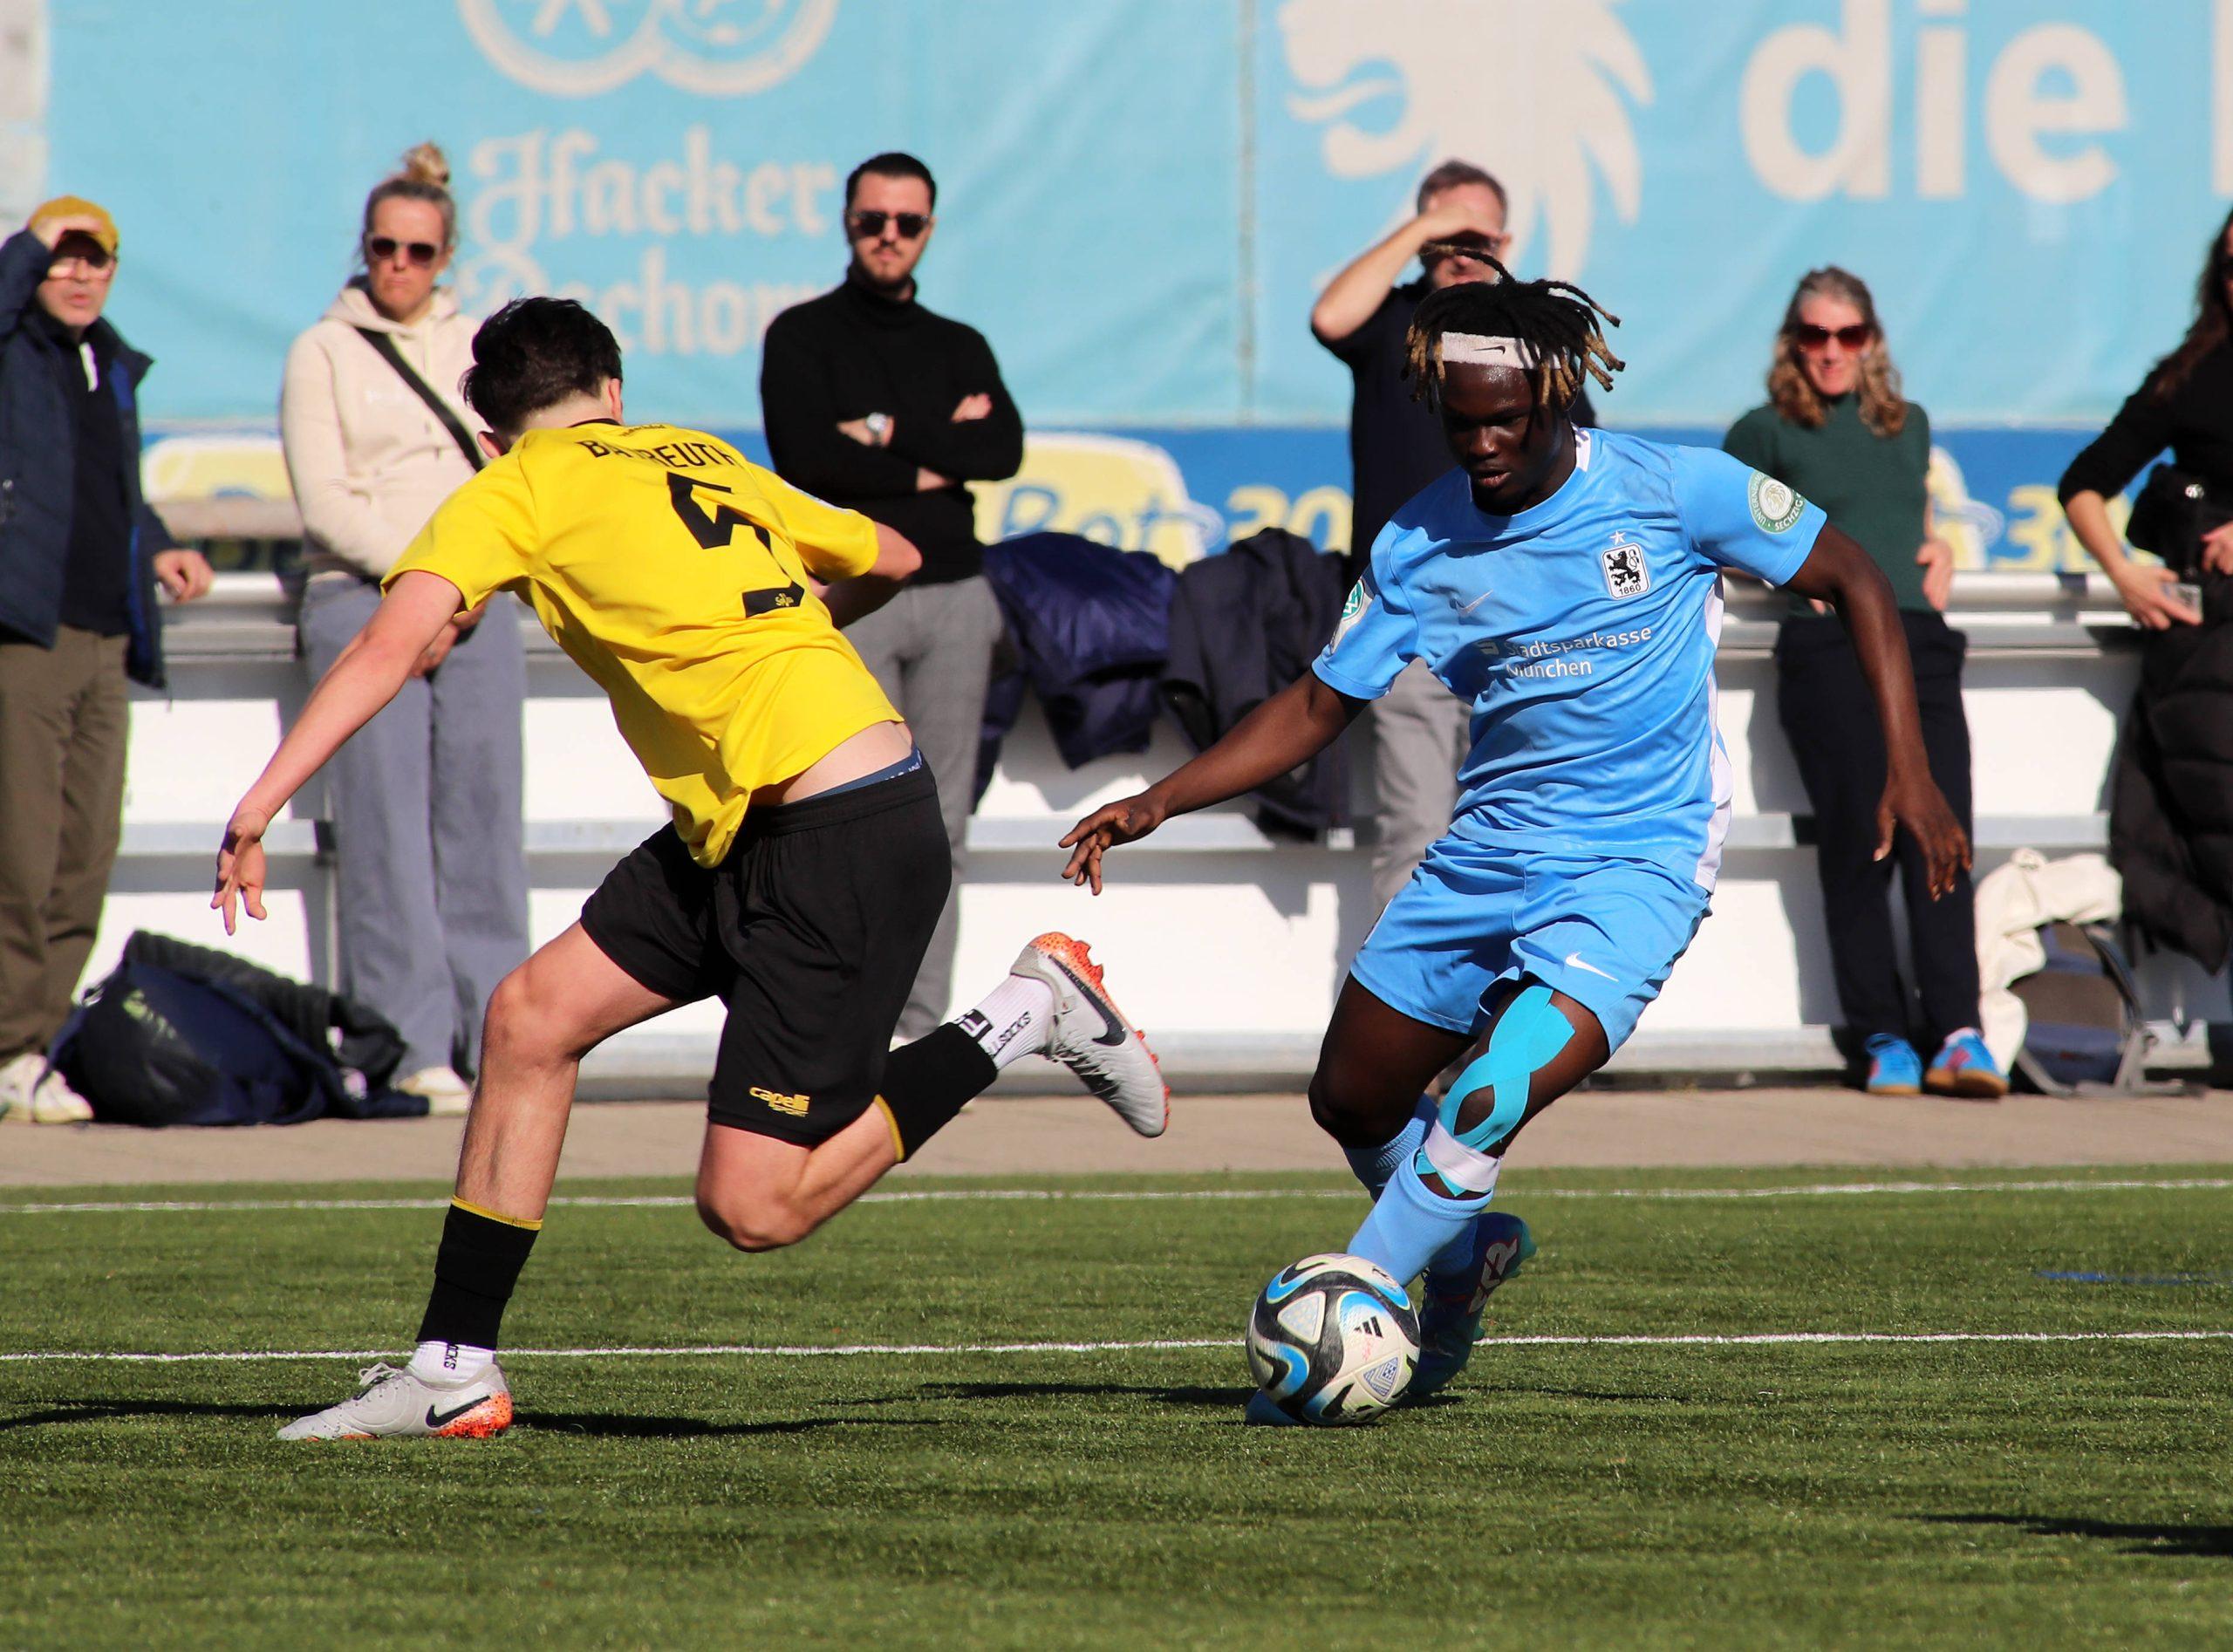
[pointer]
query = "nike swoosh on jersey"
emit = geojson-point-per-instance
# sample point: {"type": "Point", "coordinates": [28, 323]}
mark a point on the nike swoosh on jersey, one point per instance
{"type": "Point", "coordinates": [443, 1419]}
{"type": "Point", "coordinates": [1573, 961]}
{"type": "Point", "coordinates": [1475, 602]}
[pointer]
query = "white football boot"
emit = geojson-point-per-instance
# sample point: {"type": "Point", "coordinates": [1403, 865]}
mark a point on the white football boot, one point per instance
{"type": "Point", "coordinates": [394, 1405]}
{"type": "Point", "coordinates": [448, 1095]}
{"type": "Point", "coordinates": [1090, 1035]}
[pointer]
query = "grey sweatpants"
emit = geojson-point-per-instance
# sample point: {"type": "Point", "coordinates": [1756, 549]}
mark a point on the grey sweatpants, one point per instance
{"type": "Point", "coordinates": [931, 649]}
{"type": "Point", "coordinates": [1419, 743]}
{"type": "Point", "coordinates": [430, 863]}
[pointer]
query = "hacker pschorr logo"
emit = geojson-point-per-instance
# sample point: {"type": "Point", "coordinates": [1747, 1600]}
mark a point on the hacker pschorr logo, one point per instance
{"type": "Point", "coordinates": [715, 48]}
{"type": "Point", "coordinates": [1534, 92]}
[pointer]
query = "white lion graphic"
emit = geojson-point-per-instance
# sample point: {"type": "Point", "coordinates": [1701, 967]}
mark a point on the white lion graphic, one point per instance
{"type": "Point", "coordinates": [1529, 89]}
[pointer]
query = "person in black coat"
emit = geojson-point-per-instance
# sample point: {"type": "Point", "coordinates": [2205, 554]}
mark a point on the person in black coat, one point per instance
{"type": "Point", "coordinates": [81, 557]}
{"type": "Point", "coordinates": [2171, 804]}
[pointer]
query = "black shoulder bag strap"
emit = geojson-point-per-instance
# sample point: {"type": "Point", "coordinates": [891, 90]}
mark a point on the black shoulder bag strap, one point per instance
{"type": "Point", "coordinates": [384, 343]}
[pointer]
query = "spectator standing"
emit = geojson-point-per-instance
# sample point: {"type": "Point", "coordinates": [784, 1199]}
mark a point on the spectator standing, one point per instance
{"type": "Point", "coordinates": [877, 404]}
{"type": "Point", "coordinates": [2171, 792]}
{"type": "Point", "coordinates": [1397, 447]}
{"type": "Point", "coordinates": [1837, 431]}
{"type": "Point", "coordinates": [81, 556]}
{"type": "Point", "coordinates": [425, 802]}
{"type": "Point", "coordinates": [2185, 404]}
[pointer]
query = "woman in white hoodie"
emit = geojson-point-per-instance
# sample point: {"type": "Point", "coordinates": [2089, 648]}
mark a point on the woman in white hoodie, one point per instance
{"type": "Point", "coordinates": [425, 805]}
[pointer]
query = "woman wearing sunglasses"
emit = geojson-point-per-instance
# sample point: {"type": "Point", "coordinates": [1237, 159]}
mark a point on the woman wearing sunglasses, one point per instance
{"type": "Point", "coordinates": [425, 805]}
{"type": "Point", "coordinates": [1836, 428]}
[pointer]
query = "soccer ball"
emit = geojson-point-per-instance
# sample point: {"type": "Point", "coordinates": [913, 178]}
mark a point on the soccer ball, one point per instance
{"type": "Point", "coordinates": [1333, 1340]}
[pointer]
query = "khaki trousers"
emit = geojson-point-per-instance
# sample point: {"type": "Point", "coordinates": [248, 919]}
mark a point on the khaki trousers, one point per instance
{"type": "Point", "coordinates": [65, 718]}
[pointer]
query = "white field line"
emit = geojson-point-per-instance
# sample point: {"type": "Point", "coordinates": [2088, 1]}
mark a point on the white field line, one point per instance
{"type": "Point", "coordinates": [863, 1350]}
{"type": "Point", "coordinates": [676, 1201]}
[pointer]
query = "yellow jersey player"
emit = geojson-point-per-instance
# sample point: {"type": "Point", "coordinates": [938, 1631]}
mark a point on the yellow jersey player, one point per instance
{"type": "Point", "coordinates": [799, 882]}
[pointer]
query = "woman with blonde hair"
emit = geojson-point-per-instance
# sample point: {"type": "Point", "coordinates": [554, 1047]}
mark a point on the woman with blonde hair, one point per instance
{"type": "Point", "coordinates": [1838, 431]}
{"type": "Point", "coordinates": [425, 804]}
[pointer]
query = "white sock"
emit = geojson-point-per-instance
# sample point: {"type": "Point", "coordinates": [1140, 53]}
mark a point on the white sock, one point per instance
{"type": "Point", "coordinates": [450, 1362]}
{"type": "Point", "coordinates": [1012, 1020]}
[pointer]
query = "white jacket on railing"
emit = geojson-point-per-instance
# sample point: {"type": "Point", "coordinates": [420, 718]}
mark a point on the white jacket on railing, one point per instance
{"type": "Point", "coordinates": [368, 458]}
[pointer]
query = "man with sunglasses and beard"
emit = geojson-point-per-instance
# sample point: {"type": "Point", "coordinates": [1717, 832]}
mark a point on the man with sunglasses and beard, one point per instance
{"type": "Point", "coordinates": [877, 404]}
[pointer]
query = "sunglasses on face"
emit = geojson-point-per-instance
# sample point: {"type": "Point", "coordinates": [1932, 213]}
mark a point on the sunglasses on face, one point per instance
{"type": "Point", "coordinates": [869, 225]}
{"type": "Point", "coordinates": [1813, 338]}
{"type": "Point", "coordinates": [380, 248]}
{"type": "Point", "coordinates": [92, 266]}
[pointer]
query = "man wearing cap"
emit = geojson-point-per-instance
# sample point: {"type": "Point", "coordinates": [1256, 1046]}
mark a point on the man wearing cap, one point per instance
{"type": "Point", "coordinates": [81, 557]}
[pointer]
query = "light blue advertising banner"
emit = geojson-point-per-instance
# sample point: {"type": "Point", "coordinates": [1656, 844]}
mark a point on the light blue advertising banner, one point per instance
{"type": "Point", "coordinates": [1139, 199]}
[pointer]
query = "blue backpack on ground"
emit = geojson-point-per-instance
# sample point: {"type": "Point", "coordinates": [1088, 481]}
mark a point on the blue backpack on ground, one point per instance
{"type": "Point", "coordinates": [2085, 1034]}
{"type": "Point", "coordinates": [192, 1040]}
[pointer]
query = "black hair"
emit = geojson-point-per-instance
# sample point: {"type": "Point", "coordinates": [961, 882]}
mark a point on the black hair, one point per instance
{"type": "Point", "coordinates": [892, 163]}
{"type": "Point", "coordinates": [534, 352]}
{"type": "Point", "coordinates": [1559, 320]}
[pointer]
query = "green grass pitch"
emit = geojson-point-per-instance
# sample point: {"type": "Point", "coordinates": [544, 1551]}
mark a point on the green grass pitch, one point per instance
{"type": "Point", "coordinates": [1656, 1493]}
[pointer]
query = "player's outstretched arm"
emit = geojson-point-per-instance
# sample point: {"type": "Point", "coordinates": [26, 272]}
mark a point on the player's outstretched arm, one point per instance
{"type": "Point", "coordinates": [1284, 732]}
{"type": "Point", "coordinates": [897, 559]}
{"type": "Point", "coordinates": [1840, 572]}
{"type": "Point", "coordinates": [377, 663]}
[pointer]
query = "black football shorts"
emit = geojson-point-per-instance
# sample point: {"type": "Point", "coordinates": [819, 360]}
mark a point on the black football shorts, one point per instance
{"type": "Point", "coordinates": [811, 931]}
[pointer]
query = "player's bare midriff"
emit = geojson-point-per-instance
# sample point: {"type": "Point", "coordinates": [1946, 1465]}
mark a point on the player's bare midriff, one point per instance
{"type": "Point", "coordinates": [878, 745]}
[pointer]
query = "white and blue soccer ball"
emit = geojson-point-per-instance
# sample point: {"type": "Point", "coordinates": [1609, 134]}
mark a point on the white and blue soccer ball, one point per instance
{"type": "Point", "coordinates": [1333, 1340]}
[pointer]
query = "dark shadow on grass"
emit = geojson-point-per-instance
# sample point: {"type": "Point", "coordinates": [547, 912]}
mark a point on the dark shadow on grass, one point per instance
{"type": "Point", "coordinates": [2212, 1542]}
{"type": "Point", "coordinates": [109, 1411]}
{"type": "Point", "coordinates": [622, 1426]}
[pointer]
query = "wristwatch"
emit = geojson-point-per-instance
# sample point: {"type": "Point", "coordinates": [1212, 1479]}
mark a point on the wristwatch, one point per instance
{"type": "Point", "coordinates": [879, 427]}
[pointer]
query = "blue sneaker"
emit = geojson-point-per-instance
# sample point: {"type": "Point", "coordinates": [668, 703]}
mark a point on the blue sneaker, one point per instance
{"type": "Point", "coordinates": [1963, 1067]}
{"type": "Point", "coordinates": [1894, 1066]}
{"type": "Point", "coordinates": [1450, 1322]}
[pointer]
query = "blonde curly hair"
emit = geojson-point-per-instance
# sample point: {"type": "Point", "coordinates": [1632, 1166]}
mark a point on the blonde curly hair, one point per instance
{"type": "Point", "coordinates": [1883, 409]}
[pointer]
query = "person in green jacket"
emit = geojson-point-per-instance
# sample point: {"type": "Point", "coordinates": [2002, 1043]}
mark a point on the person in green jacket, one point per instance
{"type": "Point", "coordinates": [1836, 428]}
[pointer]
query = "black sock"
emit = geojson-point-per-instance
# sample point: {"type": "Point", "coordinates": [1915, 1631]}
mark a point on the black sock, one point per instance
{"type": "Point", "coordinates": [475, 1271]}
{"type": "Point", "coordinates": [928, 1082]}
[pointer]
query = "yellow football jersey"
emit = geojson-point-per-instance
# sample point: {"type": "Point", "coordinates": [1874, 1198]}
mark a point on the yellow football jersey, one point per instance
{"type": "Point", "coordinates": [674, 571]}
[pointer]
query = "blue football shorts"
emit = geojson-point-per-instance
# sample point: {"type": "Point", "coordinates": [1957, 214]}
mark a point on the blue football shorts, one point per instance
{"type": "Point", "coordinates": [1604, 932]}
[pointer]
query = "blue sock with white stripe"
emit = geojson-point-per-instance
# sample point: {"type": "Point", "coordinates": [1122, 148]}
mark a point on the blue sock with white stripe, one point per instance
{"type": "Point", "coordinates": [1410, 1224]}
{"type": "Point", "coordinates": [1374, 1165]}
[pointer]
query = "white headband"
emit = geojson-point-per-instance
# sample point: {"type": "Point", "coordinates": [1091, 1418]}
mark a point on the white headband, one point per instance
{"type": "Point", "coordinates": [1477, 350]}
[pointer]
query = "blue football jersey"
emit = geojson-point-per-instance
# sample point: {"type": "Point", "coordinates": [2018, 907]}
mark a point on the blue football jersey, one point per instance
{"type": "Point", "coordinates": [1583, 631]}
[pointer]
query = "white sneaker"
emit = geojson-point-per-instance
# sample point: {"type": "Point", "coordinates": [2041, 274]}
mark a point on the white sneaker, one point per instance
{"type": "Point", "coordinates": [1090, 1035]}
{"type": "Point", "coordinates": [394, 1405]}
{"type": "Point", "coordinates": [448, 1095]}
{"type": "Point", "coordinates": [30, 1093]}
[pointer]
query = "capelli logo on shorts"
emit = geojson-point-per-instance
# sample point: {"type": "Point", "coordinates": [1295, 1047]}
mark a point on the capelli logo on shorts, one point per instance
{"type": "Point", "coordinates": [794, 1106]}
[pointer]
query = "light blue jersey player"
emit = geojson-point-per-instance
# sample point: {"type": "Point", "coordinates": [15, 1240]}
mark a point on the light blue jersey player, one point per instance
{"type": "Point", "coordinates": [1567, 584]}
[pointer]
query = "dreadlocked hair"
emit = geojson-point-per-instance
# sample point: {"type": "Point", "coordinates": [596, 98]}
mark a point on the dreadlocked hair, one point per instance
{"type": "Point", "coordinates": [1557, 319]}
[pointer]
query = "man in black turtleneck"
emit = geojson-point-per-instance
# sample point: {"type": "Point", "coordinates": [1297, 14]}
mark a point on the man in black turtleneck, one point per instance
{"type": "Point", "coordinates": [873, 402]}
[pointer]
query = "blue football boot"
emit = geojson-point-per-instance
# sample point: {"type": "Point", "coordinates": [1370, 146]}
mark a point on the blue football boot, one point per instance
{"type": "Point", "coordinates": [1894, 1066]}
{"type": "Point", "coordinates": [1449, 1320]}
{"type": "Point", "coordinates": [1965, 1067]}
